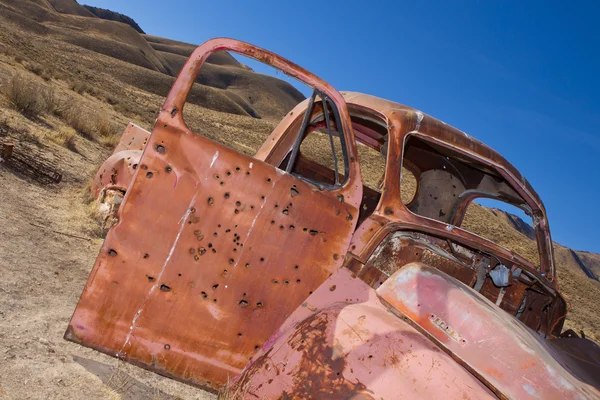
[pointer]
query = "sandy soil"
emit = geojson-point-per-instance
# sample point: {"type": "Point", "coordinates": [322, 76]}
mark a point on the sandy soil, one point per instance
{"type": "Point", "coordinates": [47, 248]}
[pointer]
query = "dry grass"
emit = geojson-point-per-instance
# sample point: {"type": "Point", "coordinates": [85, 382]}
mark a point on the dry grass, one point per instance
{"type": "Point", "coordinates": [29, 98]}
{"type": "Point", "coordinates": [64, 136]}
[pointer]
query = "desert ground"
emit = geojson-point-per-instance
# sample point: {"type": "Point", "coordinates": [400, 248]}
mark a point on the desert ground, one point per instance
{"type": "Point", "coordinates": [69, 84]}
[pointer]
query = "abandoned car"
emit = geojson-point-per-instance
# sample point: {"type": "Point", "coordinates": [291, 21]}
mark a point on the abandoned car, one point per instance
{"type": "Point", "coordinates": [287, 275]}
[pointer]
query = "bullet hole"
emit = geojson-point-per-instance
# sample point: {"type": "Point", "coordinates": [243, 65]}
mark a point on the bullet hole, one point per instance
{"type": "Point", "coordinates": [298, 281]}
{"type": "Point", "coordinates": [388, 211]}
{"type": "Point", "coordinates": [256, 347]}
{"type": "Point", "coordinates": [340, 198]}
{"type": "Point", "coordinates": [276, 206]}
{"type": "Point", "coordinates": [252, 207]}
{"type": "Point", "coordinates": [237, 169]}
{"type": "Point", "coordinates": [353, 247]}
{"type": "Point", "coordinates": [228, 173]}
{"type": "Point", "coordinates": [262, 197]}
{"type": "Point", "coordinates": [214, 251]}
{"type": "Point", "coordinates": [370, 357]}
{"type": "Point", "coordinates": [285, 211]}
{"type": "Point", "coordinates": [268, 179]}
{"type": "Point", "coordinates": [226, 195]}
{"type": "Point", "coordinates": [310, 292]}
{"type": "Point", "coordinates": [216, 176]}
{"type": "Point", "coordinates": [332, 288]}
{"type": "Point", "coordinates": [292, 227]}
{"type": "Point", "coordinates": [178, 274]}
{"type": "Point", "coordinates": [247, 265]}
{"type": "Point", "coordinates": [214, 300]}
{"type": "Point", "coordinates": [192, 210]}
{"type": "Point", "coordinates": [150, 278]}
{"type": "Point", "coordinates": [236, 211]}
{"type": "Point", "coordinates": [294, 192]}
{"type": "Point", "coordinates": [262, 259]}
{"type": "Point", "coordinates": [296, 267]}
{"type": "Point", "coordinates": [313, 232]}
{"type": "Point", "coordinates": [144, 167]}
{"type": "Point", "coordinates": [281, 227]}
{"type": "Point", "coordinates": [259, 304]}
{"type": "Point", "coordinates": [160, 148]}
{"type": "Point", "coordinates": [215, 234]}
{"type": "Point", "coordinates": [174, 112]}
{"type": "Point", "coordinates": [286, 282]}
{"type": "Point", "coordinates": [221, 183]}
{"type": "Point", "coordinates": [168, 169]}
{"type": "Point", "coordinates": [227, 230]}
{"type": "Point", "coordinates": [204, 295]}
{"type": "Point", "coordinates": [305, 229]}
{"type": "Point", "coordinates": [243, 303]}
{"type": "Point", "coordinates": [134, 166]}
{"type": "Point", "coordinates": [164, 288]}
{"type": "Point", "coordinates": [201, 251]}
{"type": "Point", "coordinates": [149, 174]}
{"type": "Point", "coordinates": [112, 253]}
{"type": "Point", "coordinates": [247, 172]}
{"type": "Point", "coordinates": [235, 250]}
{"type": "Point", "coordinates": [238, 204]}
{"type": "Point", "coordinates": [349, 217]}
{"type": "Point", "coordinates": [231, 261]}
{"type": "Point", "coordinates": [192, 251]}
{"type": "Point", "coordinates": [272, 222]}
{"type": "Point", "coordinates": [275, 281]}
{"type": "Point", "coordinates": [240, 334]}
{"type": "Point", "coordinates": [336, 257]}
{"type": "Point", "coordinates": [167, 347]}
{"type": "Point", "coordinates": [215, 286]}
{"type": "Point", "coordinates": [196, 257]}
{"type": "Point", "coordinates": [211, 201]}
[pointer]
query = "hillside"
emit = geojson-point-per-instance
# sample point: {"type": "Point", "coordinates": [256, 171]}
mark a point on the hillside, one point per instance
{"type": "Point", "coordinates": [86, 78]}
{"type": "Point", "coordinates": [114, 16]}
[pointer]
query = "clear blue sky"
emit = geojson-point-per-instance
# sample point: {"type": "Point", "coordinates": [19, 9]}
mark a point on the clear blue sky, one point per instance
{"type": "Point", "coordinates": [521, 76]}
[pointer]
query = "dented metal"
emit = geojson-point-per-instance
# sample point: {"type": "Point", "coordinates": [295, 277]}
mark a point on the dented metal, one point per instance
{"type": "Point", "coordinates": [222, 266]}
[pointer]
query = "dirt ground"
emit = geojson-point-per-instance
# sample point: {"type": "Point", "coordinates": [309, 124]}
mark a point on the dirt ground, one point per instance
{"type": "Point", "coordinates": [47, 248]}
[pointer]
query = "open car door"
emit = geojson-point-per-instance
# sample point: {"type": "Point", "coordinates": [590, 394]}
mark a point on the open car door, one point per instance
{"type": "Point", "coordinates": [213, 248]}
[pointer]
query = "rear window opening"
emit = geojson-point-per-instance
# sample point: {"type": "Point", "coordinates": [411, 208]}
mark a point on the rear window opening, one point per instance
{"type": "Point", "coordinates": [446, 185]}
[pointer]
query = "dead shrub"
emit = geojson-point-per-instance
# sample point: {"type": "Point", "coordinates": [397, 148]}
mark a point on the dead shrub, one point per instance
{"type": "Point", "coordinates": [29, 98]}
{"type": "Point", "coordinates": [34, 67]}
{"type": "Point", "coordinates": [80, 119]}
{"type": "Point", "coordinates": [24, 96]}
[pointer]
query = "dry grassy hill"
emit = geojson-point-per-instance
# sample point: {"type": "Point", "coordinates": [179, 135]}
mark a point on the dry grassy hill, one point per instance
{"type": "Point", "coordinates": [69, 83]}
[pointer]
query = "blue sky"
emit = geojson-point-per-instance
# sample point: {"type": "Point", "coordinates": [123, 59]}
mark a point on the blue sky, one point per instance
{"type": "Point", "coordinates": [523, 77]}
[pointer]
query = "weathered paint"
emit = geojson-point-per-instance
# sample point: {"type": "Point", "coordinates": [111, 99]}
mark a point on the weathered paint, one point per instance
{"type": "Point", "coordinates": [153, 300]}
{"type": "Point", "coordinates": [213, 249]}
{"type": "Point", "coordinates": [513, 360]}
{"type": "Point", "coordinates": [343, 343]}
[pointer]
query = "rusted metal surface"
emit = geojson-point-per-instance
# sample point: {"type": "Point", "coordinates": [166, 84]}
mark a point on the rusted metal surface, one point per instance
{"type": "Point", "coordinates": [29, 162]}
{"type": "Point", "coordinates": [7, 150]}
{"type": "Point", "coordinates": [499, 350]}
{"type": "Point", "coordinates": [213, 249]}
{"type": "Point", "coordinates": [344, 344]}
{"type": "Point", "coordinates": [116, 173]}
{"type": "Point", "coordinates": [219, 259]}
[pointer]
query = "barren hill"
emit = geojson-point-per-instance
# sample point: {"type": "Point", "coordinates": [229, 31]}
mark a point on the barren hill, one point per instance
{"type": "Point", "coordinates": [86, 78]}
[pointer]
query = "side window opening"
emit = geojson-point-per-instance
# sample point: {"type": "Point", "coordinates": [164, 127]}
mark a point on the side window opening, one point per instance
{"type": "Point", "coordinates": [504, 224]}
{"type": "Point", "coordinates": [319, 154]}
{"type": "Point", "coordinates": [446, 184]}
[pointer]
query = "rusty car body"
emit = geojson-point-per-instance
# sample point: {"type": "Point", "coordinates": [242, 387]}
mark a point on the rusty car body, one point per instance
{"type": "Point", "coordinates": [293, 279]}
